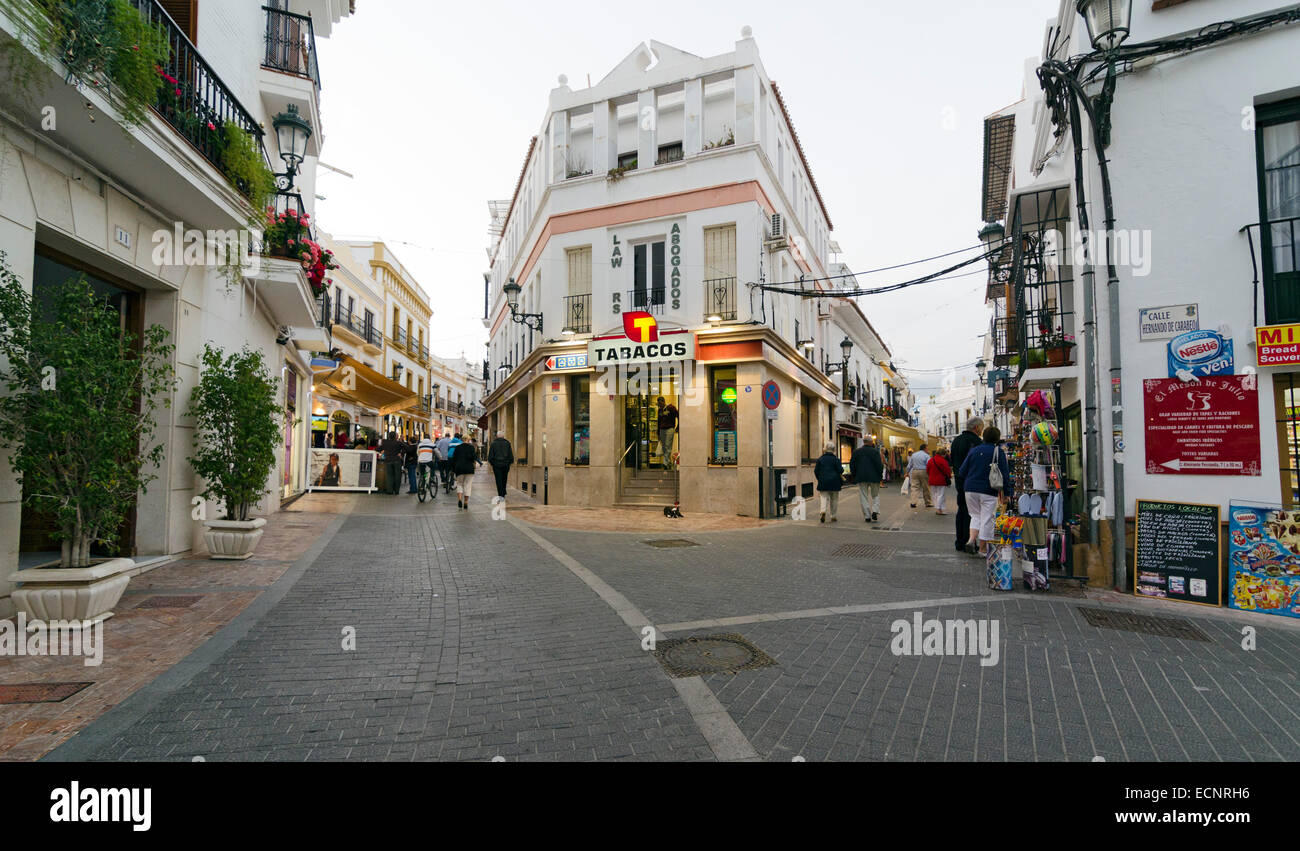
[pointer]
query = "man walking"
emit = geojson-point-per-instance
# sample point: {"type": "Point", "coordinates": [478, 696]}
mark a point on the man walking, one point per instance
{"type": "Point", "coordinates": [444, 458]}
{"type": "Point", "coordinates": [920, 478]}
{"type": "Point", "coordinates": [463, 462]}
{"type": "Point", "coordinates": [961, 447]}
{"type": "Point", "coordinates": [829, 472]}
{"type": "Point", "coordinates": [499, 457]}
{"type": "Point", "coordinates": [392, 450]}
{"type": "Point", "coordinates": [868, 469]}
{"type": "Point", "coordinates": [410, 457]}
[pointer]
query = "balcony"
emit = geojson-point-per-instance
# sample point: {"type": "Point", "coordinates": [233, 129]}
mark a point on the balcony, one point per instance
{"type": "Point", "coordinates": [577, 314]}
{"type": "Point", "coordinates": [353, 328]}
{"type": "Point", "coordinates": [649, 300]}
{"type": "Point", "coordinates": [291, 45]}
{"type": "Point", "coordinates": [720, 299]}
{"type": "Point", "coordinates": [1278, 266]}
{"type": "Point", "coordinates": [204, 101]}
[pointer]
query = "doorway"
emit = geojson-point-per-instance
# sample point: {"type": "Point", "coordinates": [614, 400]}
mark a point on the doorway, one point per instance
{"type": "Point", "coordinates": [644, 422]}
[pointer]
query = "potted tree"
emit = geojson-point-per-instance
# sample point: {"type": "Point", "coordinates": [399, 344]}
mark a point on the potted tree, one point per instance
{"type": "Point", "coordinates": [77, 416]}
{"type": "Point", "coordinates": [237, 427]}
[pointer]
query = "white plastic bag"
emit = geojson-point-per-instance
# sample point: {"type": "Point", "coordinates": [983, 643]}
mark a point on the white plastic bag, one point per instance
{"type": "Point", "coordinates": [907, 485]}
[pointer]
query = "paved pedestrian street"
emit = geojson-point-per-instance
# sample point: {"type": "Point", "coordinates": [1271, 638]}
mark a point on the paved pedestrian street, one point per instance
{"type": "Point", "coordinates": [481, 639]}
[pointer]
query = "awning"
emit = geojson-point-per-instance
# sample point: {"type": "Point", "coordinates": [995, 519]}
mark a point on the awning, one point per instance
{"type": "Point", "coordinates": [353, 381]}
{"type": "Point", "coordinates": [891, 377]}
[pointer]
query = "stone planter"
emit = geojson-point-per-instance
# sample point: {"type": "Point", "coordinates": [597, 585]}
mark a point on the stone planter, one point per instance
{"type": "Point", "coordinates": [50, 592]}
{"type": "Point", "coordinates": [232, 539]}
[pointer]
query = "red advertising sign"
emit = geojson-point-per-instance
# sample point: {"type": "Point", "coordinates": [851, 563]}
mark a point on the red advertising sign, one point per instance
{"type": "Point", "coordinates": [1205, 428]}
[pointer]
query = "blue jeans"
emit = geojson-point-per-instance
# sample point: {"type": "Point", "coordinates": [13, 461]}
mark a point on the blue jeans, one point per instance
{"type": "Point", "coordinates": [410, 478]}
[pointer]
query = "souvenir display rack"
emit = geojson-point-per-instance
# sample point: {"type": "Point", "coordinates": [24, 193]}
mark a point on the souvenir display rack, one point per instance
{"type": "Point", "coordinates": [1042, 538]}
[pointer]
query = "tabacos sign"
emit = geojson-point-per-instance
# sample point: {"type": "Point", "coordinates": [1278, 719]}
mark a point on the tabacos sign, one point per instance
{"type": "Point", "coordinates": [642, 341]}
{"type": "Point", "coordinates": [1277, 345]}
{"type": "Point", "coordinates": [1200, 353]}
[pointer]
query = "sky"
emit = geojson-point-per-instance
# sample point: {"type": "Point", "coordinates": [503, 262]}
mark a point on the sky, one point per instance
{"type": "Point", "coordinates": [430, 106]}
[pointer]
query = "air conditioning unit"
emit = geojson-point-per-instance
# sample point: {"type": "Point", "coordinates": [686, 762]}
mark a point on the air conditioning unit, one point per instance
{"type": "Point", "coordinates": [778, 226]}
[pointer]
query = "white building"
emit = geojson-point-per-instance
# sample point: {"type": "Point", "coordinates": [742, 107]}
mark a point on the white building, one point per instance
{"type": "Point", "coordinates": [83, 193]}
{"type": "Point", "coordinates": [1204, 144]}
{"type": "Point", "coordinates": [673, 186]}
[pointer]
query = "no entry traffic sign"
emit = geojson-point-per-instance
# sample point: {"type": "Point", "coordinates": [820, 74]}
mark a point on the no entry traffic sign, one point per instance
{"type": "Point", "coordinates": [771, 395]}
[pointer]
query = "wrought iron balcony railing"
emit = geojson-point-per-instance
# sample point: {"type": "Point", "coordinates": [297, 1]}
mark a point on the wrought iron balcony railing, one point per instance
{"type": "Point", "coordinates": [577, 313]}
{"type": "Point", "coordinates": [291, 44]}
{"type": "Point", "coordinates": [355, 324]}
{"type": "Point", "coordinates": [720, 298]}
{"type": "Point", "coordinates": [650, 299]}
{"type": "Point", "coordinates": [1279, 269]}
{"type": "Point", "coordinates": [204, 103]}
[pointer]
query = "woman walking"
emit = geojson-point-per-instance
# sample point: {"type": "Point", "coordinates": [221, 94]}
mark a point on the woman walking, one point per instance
{"type": "Point", "coordinates": [986, 478]}
{"type": "Point", "coordinates": [940, 475]}
{"type": "Point", "coordinates": [829, 473]}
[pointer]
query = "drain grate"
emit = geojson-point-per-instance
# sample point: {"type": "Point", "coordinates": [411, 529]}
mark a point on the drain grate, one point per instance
{"type": "Point", "coordinates": [863, 551]}
{"type": "Point", "coordinates": [1145, 624]}
{"type": "Point", "coordinates": [39, 692]}
{"type": "Point", "coordinates": [668, 543]}
{"type": "Point", "coordinates": [519, 508]}
{"type": "Point", "coordinates": [726, 653]}
{"type": "Point", "coordinates": [173, 602]}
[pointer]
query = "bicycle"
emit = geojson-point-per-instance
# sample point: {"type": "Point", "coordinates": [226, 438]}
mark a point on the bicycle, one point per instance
{"type": "Point", "coordinates": [427, 483]}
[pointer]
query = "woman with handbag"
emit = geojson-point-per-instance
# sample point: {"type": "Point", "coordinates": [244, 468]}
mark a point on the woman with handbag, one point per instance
{"type": "Point", "coordinates": [986, 478]}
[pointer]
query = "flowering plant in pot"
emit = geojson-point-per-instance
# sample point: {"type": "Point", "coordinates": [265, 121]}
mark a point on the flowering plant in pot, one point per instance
{"type": "Point", "coordinates": [237, 427]}
{"type": "Point", "coordinates": [78, 401]}
{"type": "Point", "coordinates": [288, 234]}
{"type": "Point", "coordinates": [1057, 347]}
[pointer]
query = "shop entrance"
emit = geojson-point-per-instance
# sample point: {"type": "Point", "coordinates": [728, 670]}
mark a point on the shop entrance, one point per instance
{"type": "Point", "coordinates": [650, 433]}
{"type": "Point", "coordinates": [1286, 387]}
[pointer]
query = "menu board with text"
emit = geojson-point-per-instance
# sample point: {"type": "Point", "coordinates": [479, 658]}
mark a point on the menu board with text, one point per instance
{"type": "Point", "coordinates": [1177, 552]}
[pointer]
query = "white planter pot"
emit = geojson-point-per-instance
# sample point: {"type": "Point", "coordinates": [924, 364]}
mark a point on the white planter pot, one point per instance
{"type": "Point", "coordinates": [50, 592]}
{"type": "Point", "coordinates": [232, 539]}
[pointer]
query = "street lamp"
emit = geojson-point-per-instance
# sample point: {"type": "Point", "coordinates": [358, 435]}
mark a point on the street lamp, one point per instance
{"type": "Point", "coordinates": [512, 290]}
{"type": "Point", "coordinates": [992, 235]}
{"type": "Point", "coordinates": [846, 348]}
{"type": "Point", "coordinates": [1108, 22]}
{"type": "Point", "coordinates": [982, 368]}
{"type": "Point", "coordinates": [291, 132]}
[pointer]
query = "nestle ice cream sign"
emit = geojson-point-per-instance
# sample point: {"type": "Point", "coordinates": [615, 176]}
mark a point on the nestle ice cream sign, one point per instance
{"type": "Point", "coordinates": [1200, 353]}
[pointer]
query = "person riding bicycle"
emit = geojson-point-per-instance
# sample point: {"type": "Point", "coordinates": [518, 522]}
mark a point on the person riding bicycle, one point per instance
{"type": "Point", "coordinates": [451, 468]}
{"type": "Point", "coordinates": [443, 446]}
{"type": "Point", "coordinates": [426, 456]}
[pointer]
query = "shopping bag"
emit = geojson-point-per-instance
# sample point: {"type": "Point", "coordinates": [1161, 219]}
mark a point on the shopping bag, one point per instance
{"type": "Point", "coordinates": [999, 571]}
{"type": "Point", "coordinates": [907, 485]}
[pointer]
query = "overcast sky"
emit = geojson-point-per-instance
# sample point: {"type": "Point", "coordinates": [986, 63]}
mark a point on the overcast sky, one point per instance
{"type": "Point", "coordinates": [431, 105]}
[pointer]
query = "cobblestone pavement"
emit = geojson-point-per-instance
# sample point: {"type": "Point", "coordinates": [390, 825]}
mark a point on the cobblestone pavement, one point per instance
{"type": "Point", "coordinates": [478, 638]}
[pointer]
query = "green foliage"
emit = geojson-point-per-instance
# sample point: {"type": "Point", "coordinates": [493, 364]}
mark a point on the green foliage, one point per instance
{"type": "Point", "coordinates": [245, 167]}
{"type": "Point", "coordinates": [25, 70]}
{"type": "Point", "coordinates": [78, 407]}
{"type": "Point", "coordinates": [103, 44]}
{"type": "Point", "coordinates": [1036, 358]}
{"type": "Point", "coordinates": [237, 428]}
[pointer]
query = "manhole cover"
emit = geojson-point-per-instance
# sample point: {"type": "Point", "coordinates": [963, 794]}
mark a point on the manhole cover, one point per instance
{"type": "Point", "coordinates": [39, 692]}
{"type": "Point", "coordinates": [710, 654]}
{"type": "Point", "coordinates": [1145, 624]}
{"type": "Point", "coordinates": [666, 543]}
{"type": "Point", "coordinates": [863, 551]}
{"type": "Point", "coordinates": [175, 602]}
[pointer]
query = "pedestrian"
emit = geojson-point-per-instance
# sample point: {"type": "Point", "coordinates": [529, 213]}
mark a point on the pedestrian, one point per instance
{"type": "Point", "coordinates": [444, 458]}
{"type": "Point", "coordinates": [393, 450]}
{"type": "Point", "coordinates": [985, 489]}
{"type": "Point", "coordinates": [961, 447]}
{"type": "Point", "coordinates": [920, 479]}
{"type": "Point", "coordinates": [499, 457]}
{"type": "Point", "coordinates": [829, 473]}
{"type": "Point", "coordinates": [427, 458]}
{"type": "Point", "coordinates": [463, 461]}
{"type": "Point", "coordinates": [868, 470]}
{"type": "Point", "coordinates": [940, 476]}
{"type": "Point", "coordinates": [667, 423]}
{"type": "Point", "coordinates": [410, 458]}
{"type": "Point", "coordinates": [451, 455]}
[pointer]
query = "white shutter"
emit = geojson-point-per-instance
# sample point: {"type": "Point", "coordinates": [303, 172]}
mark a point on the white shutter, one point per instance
{"type": "Point", "coordinates": [720, 252]}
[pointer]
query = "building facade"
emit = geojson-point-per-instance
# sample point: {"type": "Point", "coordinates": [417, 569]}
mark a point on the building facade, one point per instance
{"type": "Point", "coordinates": [82, 191]}
{"type": "Point", "coordinates": [1204, 250]}
{"type": "Point", "coordinates": [650, 209]}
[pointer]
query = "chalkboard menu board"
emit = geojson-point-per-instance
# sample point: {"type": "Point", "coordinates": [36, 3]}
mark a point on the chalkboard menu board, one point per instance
{"type": "Point", "coordinates": [1176, 555]}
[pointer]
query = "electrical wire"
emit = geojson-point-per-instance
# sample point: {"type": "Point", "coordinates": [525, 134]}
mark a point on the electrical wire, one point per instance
{"type": "Point", "coordinates": [784, 286]}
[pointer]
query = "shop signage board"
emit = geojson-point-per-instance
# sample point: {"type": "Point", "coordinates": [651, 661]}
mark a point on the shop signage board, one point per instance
{"type": "Point", "coordinates": [577, 360]}
{"type": "Point", "coordinates": [1277, 345]}
{"type": "Point", "coordinates": [341, 470]}
{"type": "Point", "coordinates": [1200, 353]}
{"type": "Point", "coordinates": [1176, 552]}
{"type": "Point", "coordinates": [1264, 560]}
{"type": "Point", "coordinates": [642, 341]}
{"type": "Point", "coordinates": [1204, 428]}
{"type": "Point", "coordinates": [1163, 323]}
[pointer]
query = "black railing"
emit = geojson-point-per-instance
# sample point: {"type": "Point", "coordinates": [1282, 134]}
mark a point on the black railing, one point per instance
{"type": "Point", "coordinates": [651, 300]}
{"type": "Point", "coordinates": [1279, 269]}
{"type": "Point", "coordinates": [577, 313]}
{"type": "Point", "coordinates": [291, 44]}
{"type": "Point", "coordinates": [355, 324]}
{"type": "Point", "coordinates": [198, 103]}
{"type": "Point", "coordinates": [720, 298]}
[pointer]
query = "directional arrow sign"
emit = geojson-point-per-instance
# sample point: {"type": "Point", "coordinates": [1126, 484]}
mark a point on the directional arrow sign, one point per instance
{"type": "Point", "coordinates": [577, 360]}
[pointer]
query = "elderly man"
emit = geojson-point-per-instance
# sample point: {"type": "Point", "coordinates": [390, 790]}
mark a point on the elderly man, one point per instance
{"type": "Point", "coordinates": [499, 457]}
{"type": "Point", "coordinates": [961, 446]}
{"type": "Point", "coordinates": [920, 478]}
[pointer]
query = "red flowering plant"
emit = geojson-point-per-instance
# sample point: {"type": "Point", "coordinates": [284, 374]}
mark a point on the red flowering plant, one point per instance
{"type": "Point", "coordinates": [185, 112]}
{"type": "Point", "coordinates": [288, 234]}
